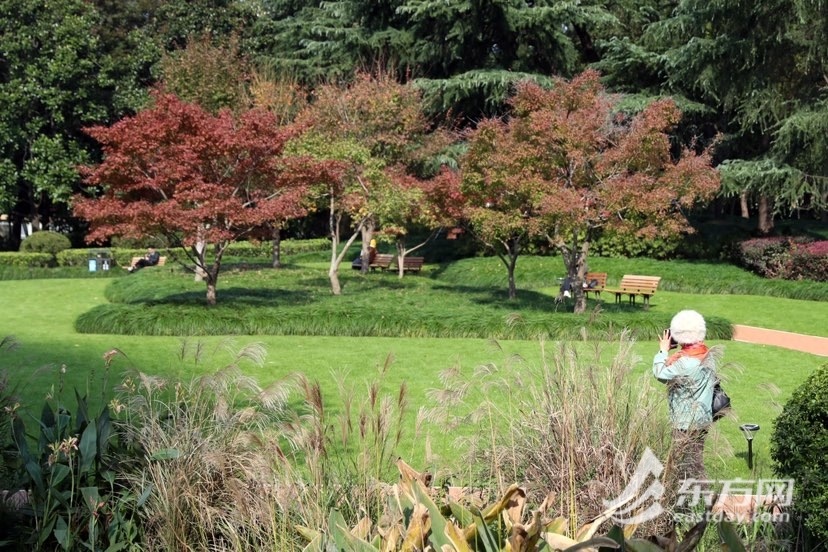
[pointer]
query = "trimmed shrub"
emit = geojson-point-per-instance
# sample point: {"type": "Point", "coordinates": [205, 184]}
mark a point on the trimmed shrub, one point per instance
{"type": "Point", "coordinates": [766, 257]}
{"type": "Point", "coordinates": [799, 448]}
{"type": "Point", "coordinates": [808, 262]}
{"type": "Point", "coordinates": [786, 258]}
{"type": "Point", "coordinates": [264, 249]}
{"type": "Point", "coordinates": [25, 260]}
{"type": "Point", "coordinates": [45, 241]}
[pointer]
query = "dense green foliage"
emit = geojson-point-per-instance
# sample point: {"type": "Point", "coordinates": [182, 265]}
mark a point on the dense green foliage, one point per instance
{"type": "Point", "coordinates": [748, 76]}
{"type": "Point", "coordinates": [29, 260]}
{"type": "Point", "coordinates": [799, 448]}
{"type": "Point", "coordinates": [45, 242]}
{"type": "Point", "coordinates": [751, 76]}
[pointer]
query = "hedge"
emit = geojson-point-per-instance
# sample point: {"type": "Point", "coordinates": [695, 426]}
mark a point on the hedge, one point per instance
{"type": "Point", "coordinates": [25, 260]}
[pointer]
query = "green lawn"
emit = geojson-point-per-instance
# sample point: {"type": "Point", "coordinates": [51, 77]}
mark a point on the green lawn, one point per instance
{"type": "Point", "coordinates": [41, 315]}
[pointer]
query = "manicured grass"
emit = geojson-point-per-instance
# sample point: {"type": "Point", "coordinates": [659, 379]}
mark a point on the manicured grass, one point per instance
{"type": "Point", "coordinates": [41, 314]}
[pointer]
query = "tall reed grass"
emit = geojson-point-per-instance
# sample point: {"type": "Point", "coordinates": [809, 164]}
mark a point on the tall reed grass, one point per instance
{"type": "Point", "coordinates": [571, 430]}
{"type": "Point", "coordinates": [228, 465]}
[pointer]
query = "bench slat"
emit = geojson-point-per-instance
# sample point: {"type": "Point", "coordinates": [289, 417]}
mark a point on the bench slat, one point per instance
{"type": "Point", "coordinates": [600, 277]}
{"type": "Point", "coordinates": [413, 264]}
{"type": "Point", "coordinates": [382, 261]}
{"type": "Point", "coordinates": [634, 285]}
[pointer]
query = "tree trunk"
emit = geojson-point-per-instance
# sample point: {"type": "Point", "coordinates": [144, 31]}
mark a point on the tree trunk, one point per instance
{"type": "Point", "coordinates": [211, 293]}
{"type": "Point", "coordinates": [511, 270]}
{"type": "Point", "coordinates": [367, 234]}
{"type": "Point", "coordinates": [333, 276]}
{"type": "Point", "coordinates": [277, 248]}
{"type": "Point", "coordinates": [334, 220]}
{"type": "Point", "coordinates": [199, 274]}
{"type": "Point", "coordinates": [579, 268]}
{"type": "Point", "coordinates": [765, 215]}
{"type": "Point", "coordinates": [400, 258]}
{"type": "Point", "coordinates": [743, 203]}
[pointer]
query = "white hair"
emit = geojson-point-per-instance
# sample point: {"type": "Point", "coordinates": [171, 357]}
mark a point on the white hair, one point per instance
{"type": "Point", "coordinates": [687, 327]}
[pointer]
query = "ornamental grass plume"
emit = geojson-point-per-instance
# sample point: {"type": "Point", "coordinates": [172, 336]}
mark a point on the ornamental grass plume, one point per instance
{"type": "Point", "coordinates": [573, 428]}
{"type": "Point", "coordinates": [208, 446]}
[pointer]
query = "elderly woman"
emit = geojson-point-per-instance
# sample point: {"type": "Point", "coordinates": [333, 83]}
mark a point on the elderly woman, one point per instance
{"type": "Point", "coordinates": [690, 375]}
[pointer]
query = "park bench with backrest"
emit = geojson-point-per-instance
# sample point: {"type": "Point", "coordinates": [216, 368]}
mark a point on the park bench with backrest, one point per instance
{"type": "Point", "coordinates": [381, 261]}
{"type": "Point", "coordinates": [161, 261]}
{"type": "Point", "coordinates": [412, 264]}
{"type": "Point", "coordinates": [635, 285]}
{"type": "Point", "coordinates": [595, 282]}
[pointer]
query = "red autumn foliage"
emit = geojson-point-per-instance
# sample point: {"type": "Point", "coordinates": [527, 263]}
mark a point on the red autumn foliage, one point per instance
{"type": "Point", "coordinates": [565, 167]}
{"type": "Point", "coordinates": [176, 170]}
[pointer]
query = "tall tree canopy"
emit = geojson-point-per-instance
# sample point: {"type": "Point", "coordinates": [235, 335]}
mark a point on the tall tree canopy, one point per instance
{"type": "Point", "coordinates": [176, 170]}
{"type": "Point", "coordinates": [759, 70]}
{"type": "Point", "coordinates": [466, 55]}
{"type": "Point", "coordinates": [374, 125]}
{"type": "Point", "coordinates": [50, 86]}
{"type": "Point", "coordinates": [566, 166]}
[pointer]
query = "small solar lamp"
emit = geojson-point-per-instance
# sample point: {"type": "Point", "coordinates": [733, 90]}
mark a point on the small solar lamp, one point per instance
{"type": "Point", "coordinates": [749, 430]}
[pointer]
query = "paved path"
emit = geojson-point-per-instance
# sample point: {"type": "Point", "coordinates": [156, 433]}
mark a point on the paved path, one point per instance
{"type": "Point", "coordinates": [799, 342]}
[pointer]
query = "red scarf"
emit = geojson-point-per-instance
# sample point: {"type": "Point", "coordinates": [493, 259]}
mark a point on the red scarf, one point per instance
{"type": "Point", "coordinates": [695, 350]}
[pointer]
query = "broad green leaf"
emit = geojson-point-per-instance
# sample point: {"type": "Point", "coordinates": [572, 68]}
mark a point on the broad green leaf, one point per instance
{"type": "Point", "coordinates": [558, 525]}
{"type": "Point", "coordinates": [730, 537]}
{"type": "Point", "coordinates": [88, 447]}
{"type": "Point", "coordinates": [59, 473]}
{"type": "Point", "coordinates": [91, 497]}
{"type": "Point", "coordinates": [307, 533]}
{"type": "Point", "coordinates": [343, 537]}
{"type": "Point", "coordinates": [483, 534]}
{"type": "Point", "coordinates": [439, 534]}
{"type": "Point", "coordinates": [36, 475]}
{"type": "Point", "coordinates": [145, 495]}
{"type": "Point", "coordinates": [62, 533]}
{"type": "Point", "coordinates": [19, 434]}
{"type": "Point", "coordinates": [82, 414]}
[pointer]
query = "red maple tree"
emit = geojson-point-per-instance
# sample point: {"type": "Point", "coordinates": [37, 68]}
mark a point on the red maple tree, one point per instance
{"type": "Point", "coordinates": [178, 171]}
{"type": "Point", "coordinates": [372, 125]}
{"type": "Point", "coordinates": [411, 202]}
{"type": "Point", "coordinates": [566, 166]}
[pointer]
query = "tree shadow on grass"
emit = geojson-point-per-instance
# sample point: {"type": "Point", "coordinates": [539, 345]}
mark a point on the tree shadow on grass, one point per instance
{"type": "Point", "coordinates": [256, 297]}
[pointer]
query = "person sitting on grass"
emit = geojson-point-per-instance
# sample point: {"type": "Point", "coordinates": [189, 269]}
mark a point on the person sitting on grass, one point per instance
{"type": "Point", "coordinates": [149, 259]}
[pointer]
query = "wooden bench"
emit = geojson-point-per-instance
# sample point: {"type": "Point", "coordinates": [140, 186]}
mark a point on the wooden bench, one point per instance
{"type": "Point", "coordinates": [634, 285]}
{"type": "Point", "coordinates": [381, 261]}
{"type": "Point", "coordinates": [412, 264]}
{"type": "Point", "coordinates": [161, 261]}
{"type": "Point", "coordinates": [601, 282]}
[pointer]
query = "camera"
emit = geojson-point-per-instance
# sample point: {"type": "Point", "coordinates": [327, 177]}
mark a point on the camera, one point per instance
{"type": "Point", "coordinates": [673, 343]}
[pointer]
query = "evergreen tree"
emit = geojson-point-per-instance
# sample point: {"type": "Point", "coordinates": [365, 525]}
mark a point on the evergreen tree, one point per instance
{"type": "Point", "coordinates": [466, 55]}
{"type": "Point", "coordinates": [753, 72]}
{"type": "Point", "coordinates": [50, 87]}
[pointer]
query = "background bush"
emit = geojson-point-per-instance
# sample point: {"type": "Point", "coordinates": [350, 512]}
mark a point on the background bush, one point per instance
{"type": "Point", "coordinates": [45, 241]}
{"type": "Point", "coordinates": [809, 262]}
{"type": "Point", "coordinates": [787, 258]}
{"type": "Point", "coordinates": [25, 260]}
{"type": "Point", "coordinates": [799, 448]}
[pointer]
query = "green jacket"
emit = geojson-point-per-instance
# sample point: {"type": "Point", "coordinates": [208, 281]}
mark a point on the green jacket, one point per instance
{"type": "Point", "coordinates": [689, 389]}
